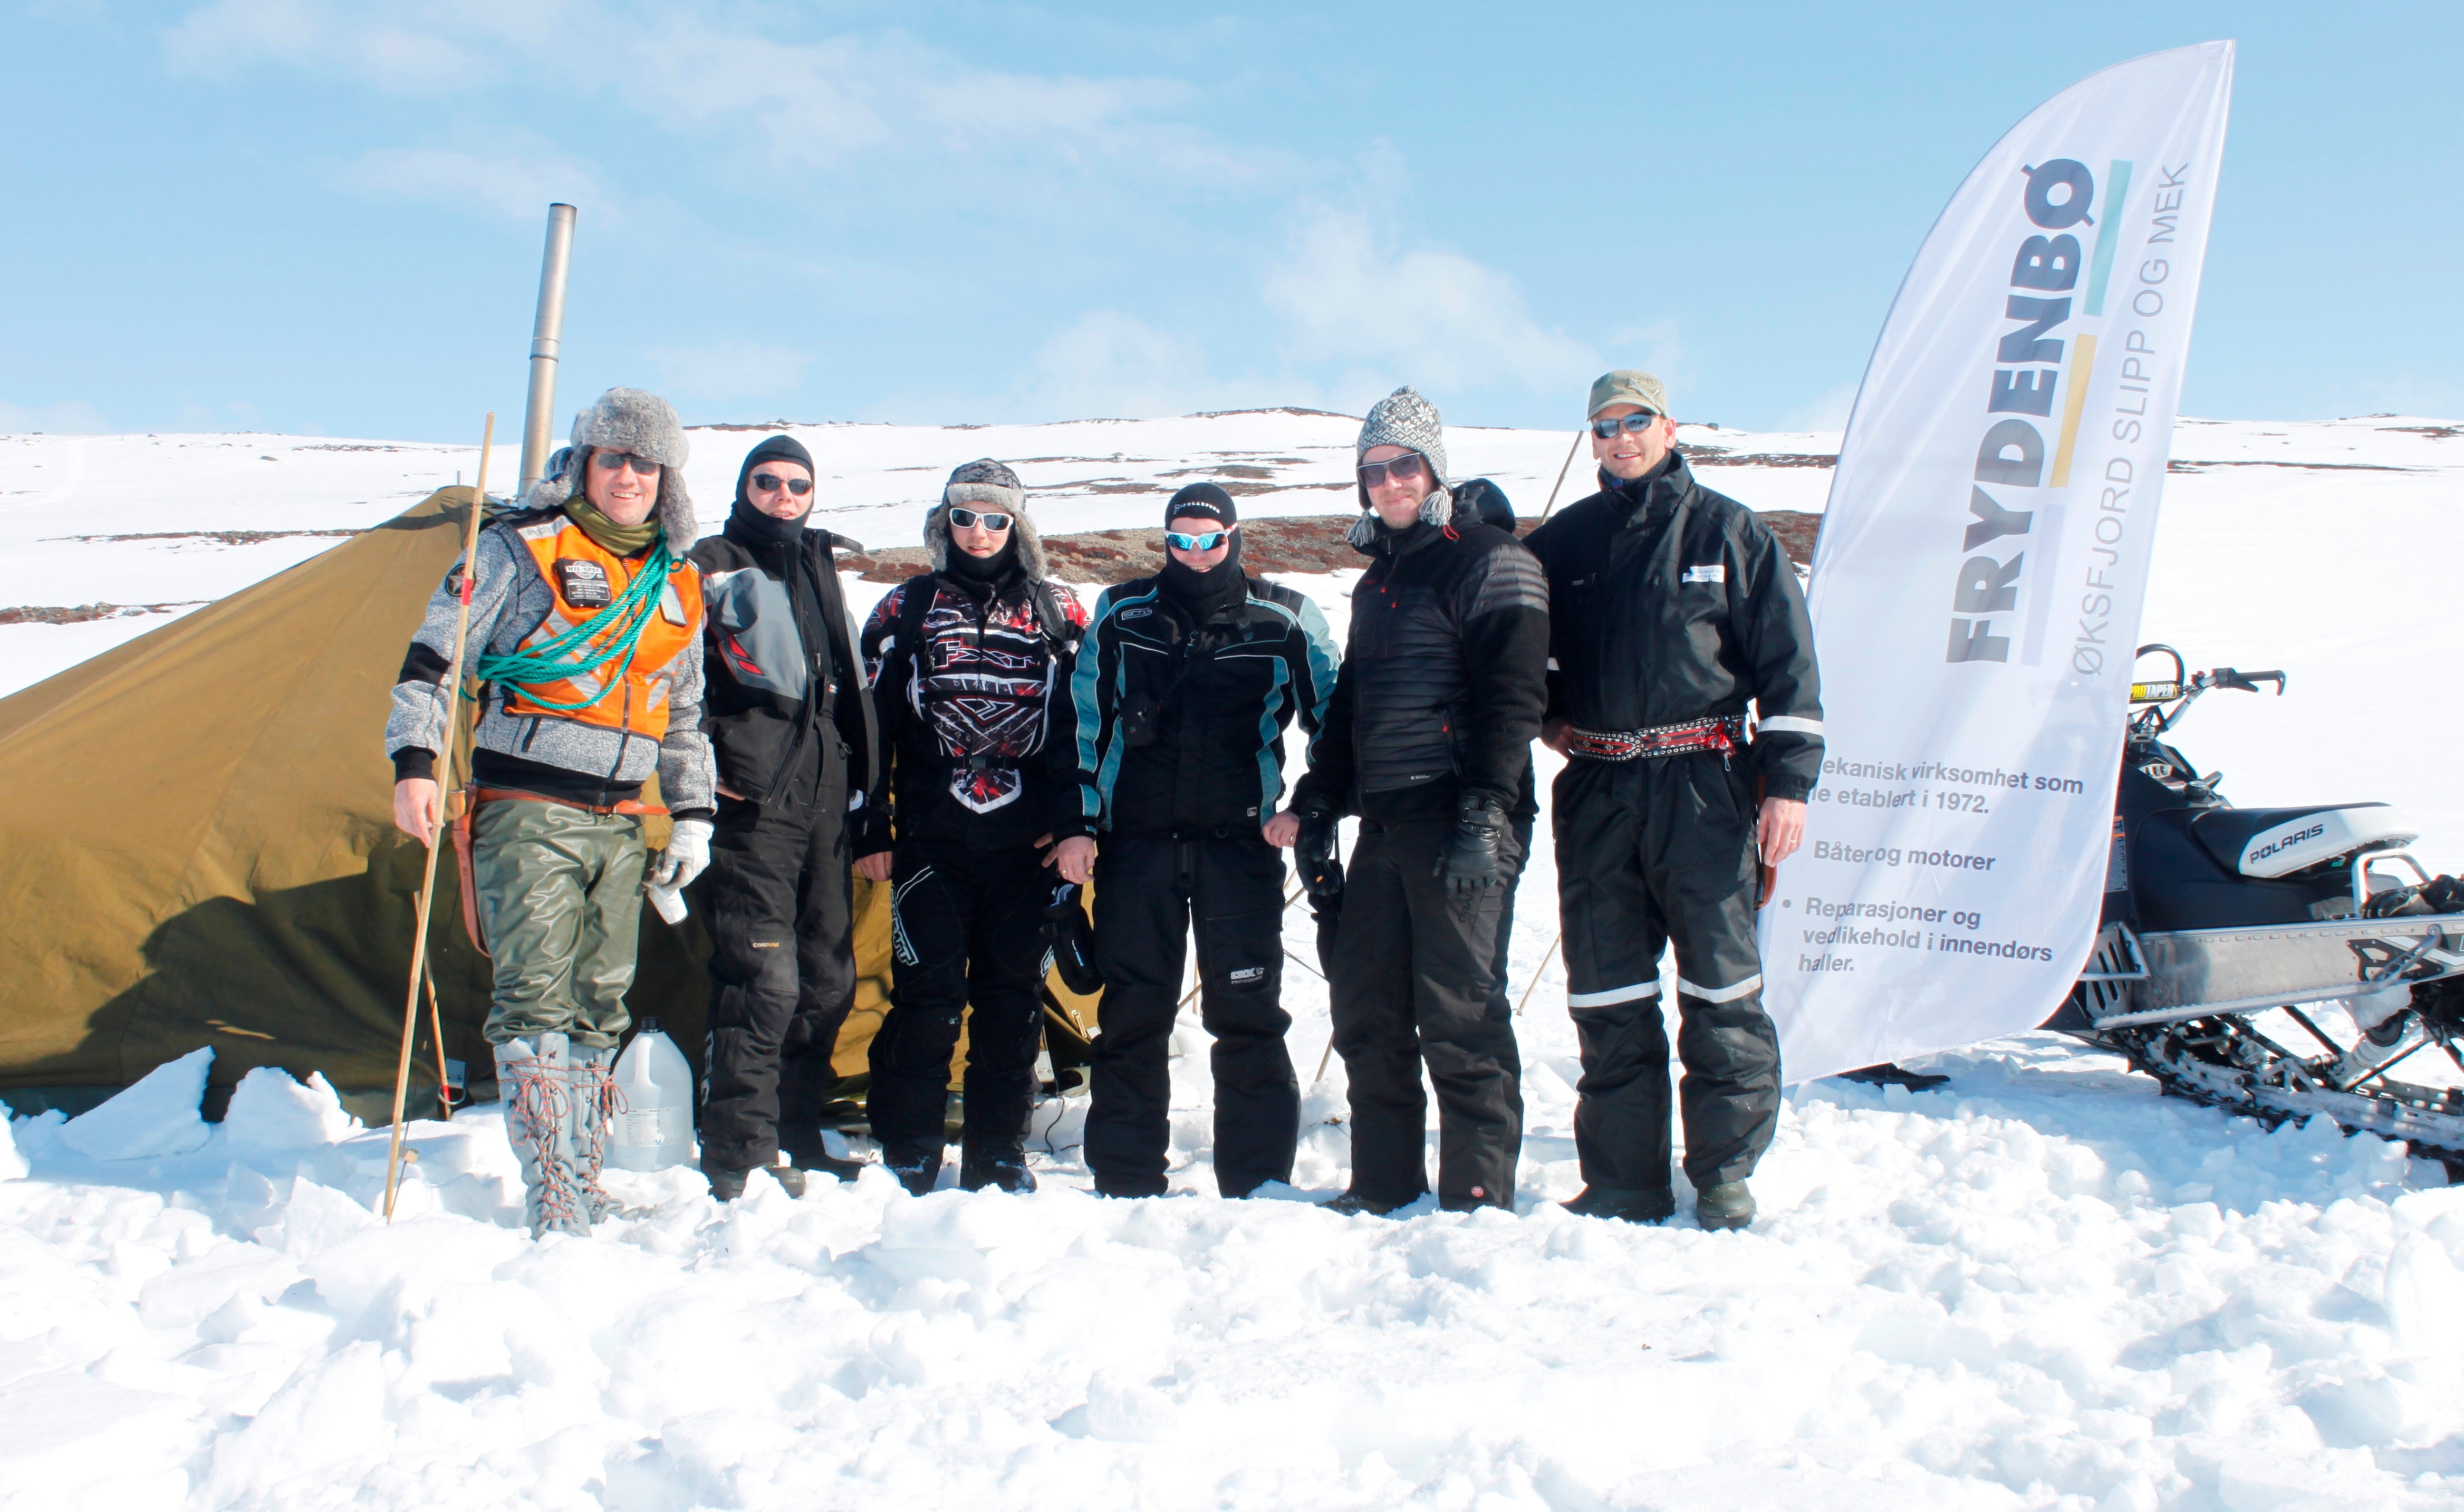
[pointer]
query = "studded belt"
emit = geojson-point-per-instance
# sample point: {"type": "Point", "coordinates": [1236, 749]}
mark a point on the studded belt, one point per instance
{"type": "Point", "coordinates": [1721, 734]}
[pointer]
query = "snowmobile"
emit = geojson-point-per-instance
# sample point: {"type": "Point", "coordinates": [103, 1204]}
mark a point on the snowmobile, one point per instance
{"type": "Point", "coordinates": [2225, 931]}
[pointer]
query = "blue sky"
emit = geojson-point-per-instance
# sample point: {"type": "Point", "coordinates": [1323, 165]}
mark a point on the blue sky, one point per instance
{"type": "Point", "coordinates": [308, 215]}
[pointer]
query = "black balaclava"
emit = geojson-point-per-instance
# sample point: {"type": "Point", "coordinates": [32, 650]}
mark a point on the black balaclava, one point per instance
{"type": "Point", "coordinates": [751, 522]}
{"type": "Point", "coordinates": [970, 568]}
{"type": "Point", "coordinates": [1203, 593]}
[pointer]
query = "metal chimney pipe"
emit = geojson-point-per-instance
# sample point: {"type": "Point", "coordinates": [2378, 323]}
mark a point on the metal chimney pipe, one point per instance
{"type": "Point", "coordinates": [547, 338]}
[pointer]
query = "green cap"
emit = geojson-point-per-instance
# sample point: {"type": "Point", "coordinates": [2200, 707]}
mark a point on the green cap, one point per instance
{"type": "Point", "coordinates": [1626, 386]}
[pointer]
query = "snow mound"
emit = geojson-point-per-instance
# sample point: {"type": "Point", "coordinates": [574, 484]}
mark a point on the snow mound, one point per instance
{"type": "Point", "coordinates": [13, 1162]}
{"type": "Point", "coordinates": [270, 1109]}
{"type": "Point", "coordinates": [157, 1116]}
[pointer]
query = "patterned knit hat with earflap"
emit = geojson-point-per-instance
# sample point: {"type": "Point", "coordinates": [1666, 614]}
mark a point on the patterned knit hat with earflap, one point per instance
{"type": "Point", "coordinates": [1404, 419]}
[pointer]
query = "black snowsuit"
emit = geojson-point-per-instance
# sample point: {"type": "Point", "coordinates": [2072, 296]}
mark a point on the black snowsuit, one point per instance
{"type": "Point", "coordinates": [1180, 729]}
{"type": "Point", "coordinates": [792, 729]}
{"type": "Point", "coordinates": [1672, 603]}
{"type": "Point", "coordinates": [972, 700]}
{"type": "Point", "coordinates": [1441, 693]}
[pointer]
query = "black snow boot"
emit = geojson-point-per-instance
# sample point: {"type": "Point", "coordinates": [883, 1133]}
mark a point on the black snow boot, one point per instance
{"type": "Point", "coordinates": [728, 1184]}
{"type": "Point", "coordinates": [918, 1166]}
{"type": "Point", "coordinates": [1729, 1205]}
{"type": "Point", "coordinates": [1890, 1073]}
{"type": "Point", "coordinates": [1351, 1204]}
{"type": "Point", "coordinates": [1003, 1167]}
{"type": "Point", "coordinates": [1651, 1205]}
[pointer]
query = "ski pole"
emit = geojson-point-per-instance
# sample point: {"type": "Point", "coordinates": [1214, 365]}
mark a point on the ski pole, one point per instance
{"type": "Point", "coordinates": [453, 686]}
{"type": "Point", "coordinates": [1561, 476]}
{"type": "Point", "coordinates": [1537, 975]}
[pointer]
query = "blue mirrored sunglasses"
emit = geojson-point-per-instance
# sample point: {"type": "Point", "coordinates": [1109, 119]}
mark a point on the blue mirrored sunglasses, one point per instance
{"type": "Point", "coordinates": [1206, 542]}
{"type": "Point", "coordinates": [1640, 419]}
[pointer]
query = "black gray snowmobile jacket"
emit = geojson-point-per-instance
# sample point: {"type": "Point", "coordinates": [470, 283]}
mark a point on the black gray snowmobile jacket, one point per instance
{"type": "Point", "coordinates": [778, 659]}
{"type": "Point", "coordinates": [1669, 604]}
{"type": "Point", "coordinates": [1443, 681]}
{"type": "Point", "coordinates": [1181, 725]}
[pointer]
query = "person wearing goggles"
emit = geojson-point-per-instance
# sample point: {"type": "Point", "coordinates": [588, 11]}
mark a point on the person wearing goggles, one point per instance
{"type": "Point", "coordinates": [792, 728]}
{"type": "Point", "coordinates": [969, 666]}
{"type": "Point", "coordinates": [1428, 740]}
{"type": "Point", "coordinates": [1184, 688]}
{"type": "Point", "coordinates": [1672, 608]}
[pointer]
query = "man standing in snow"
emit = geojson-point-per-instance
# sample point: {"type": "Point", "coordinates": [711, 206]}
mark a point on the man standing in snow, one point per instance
{"type": "Point", "coordinates": [586, 636]}
{"type": "Point", "coordinates": [1184, 688]}
{"type": "Point", "coordinates": [1428, 739]}
{"type": "Point", "coordinates": [1673, 609]}
{"type": "Point", "coordinates": [791, 727]}
{"type": "Point", "coordinates": [970, 668]}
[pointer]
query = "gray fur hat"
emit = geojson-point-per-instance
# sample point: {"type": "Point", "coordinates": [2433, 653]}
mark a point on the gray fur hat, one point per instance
{"type": "Point", "coordinates": [640, 421]}
{"type": "Point", "coordinates": [985, 484]}
{"type": "Point", "coordinates": [1404, 419]}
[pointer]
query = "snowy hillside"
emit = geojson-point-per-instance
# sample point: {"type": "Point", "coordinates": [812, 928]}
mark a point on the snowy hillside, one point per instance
{"type": "Point", "coordinates": [2043, 1287]}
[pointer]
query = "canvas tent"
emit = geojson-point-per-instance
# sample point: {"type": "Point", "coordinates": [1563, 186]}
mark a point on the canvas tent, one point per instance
{"type": "Point", "coordinates": [200, 850]}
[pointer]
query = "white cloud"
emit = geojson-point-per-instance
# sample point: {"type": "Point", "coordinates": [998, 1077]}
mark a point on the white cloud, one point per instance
{"type": "Point", "coordinates": [726, 371]}
{"type": "Point", "coordinates": [1827, 411]}
{"type": "Point", "coordinates": [64, 417]}
{"type": "Point", "coordinates": [1426, 315]}
{"type": "Point", "coordinates": [1106, 364]}
{"type": "Point", "coordinates": [516, 185]}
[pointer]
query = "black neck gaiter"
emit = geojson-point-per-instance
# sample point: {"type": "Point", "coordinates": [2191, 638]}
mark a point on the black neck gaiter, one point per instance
{"type": "Point", "coordinates": [755, 528]}
{"type": "Point", "coordinates": [983, 571]}
{"type": "Point", "coordinates": [1205, 594]}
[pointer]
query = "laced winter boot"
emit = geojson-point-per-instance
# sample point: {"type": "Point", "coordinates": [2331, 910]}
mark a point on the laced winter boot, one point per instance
{"type": "Point", "coordinates": [593, 1105]}
{"type": "Point", "coordinates": [1636, 1205]}
{"type": "Point", "coordinates": [1728, 1205]}
{"type": "Point", "coordinates": [918, 1166]}
{"type": "Point", "coordinates": [535, 1076]}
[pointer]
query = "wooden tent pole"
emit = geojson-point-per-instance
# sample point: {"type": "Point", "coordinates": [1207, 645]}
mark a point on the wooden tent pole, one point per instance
{"type": "Point", "coordinates": [436, 1028]}
{"type": "Point", "coordinates": [1562, 470]}
{"type": "Point", "coordinates": [453, 686]}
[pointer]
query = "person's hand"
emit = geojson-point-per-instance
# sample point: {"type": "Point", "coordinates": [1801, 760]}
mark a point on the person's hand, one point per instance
{"type": "Point", "coordinates": [1283, 829]}
{"type": "Point", "coordinates": [875, 867]}
{"type": "Point", "coordinates": [1314, 844]}
{"type": "Point", "coordinates": [1074, 859]}
{"type": "Point", "coordinates": [1474, 856]}
{"type": "Point", "coordinates": [1781, 828]}
{"type": "Point", "coordinates": [1554, 734]}
{"type": "Point", "coordinates": [418, 808]}
{"type": "Point", "coordinates": [687, 856]}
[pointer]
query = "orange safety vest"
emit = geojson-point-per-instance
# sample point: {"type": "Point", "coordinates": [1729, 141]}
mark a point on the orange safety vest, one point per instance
{"type": "Point", "coordinates": [586, 577]}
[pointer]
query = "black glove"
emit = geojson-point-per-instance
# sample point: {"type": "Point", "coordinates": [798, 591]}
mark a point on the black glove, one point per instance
{"type": "Point", "coordinates": [1073, 941]}
{"type": "Point", "coordinates": [1475, 853]}
{"type": "Point", "coordinates": [1314, 852]}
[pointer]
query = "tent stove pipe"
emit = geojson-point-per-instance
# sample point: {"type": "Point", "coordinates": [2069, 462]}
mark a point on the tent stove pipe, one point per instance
{"type": "Point", "coordinates": [547, 338]}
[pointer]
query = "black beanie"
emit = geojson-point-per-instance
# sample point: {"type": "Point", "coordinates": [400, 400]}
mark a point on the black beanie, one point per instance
{"type": "Point", "coordinates": [1202, 499]}
{"type": "Point", "coordinates": [773, 448]}
{"type": "Point", "coordinates": [750, 522]}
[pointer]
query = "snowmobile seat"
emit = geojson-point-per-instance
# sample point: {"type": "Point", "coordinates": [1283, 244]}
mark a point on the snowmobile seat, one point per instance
{"type": "Point", "coordinates": [2279, 841]}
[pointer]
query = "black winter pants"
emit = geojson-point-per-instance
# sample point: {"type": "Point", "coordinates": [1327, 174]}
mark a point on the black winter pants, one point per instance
{"type": "Point", "coordinates": [1649, 853]}
{"type": "Point", "coordinates": [777, 901]}
{"type": "Point", "coordinates": [966, 929]}
{"type": "Point", "coordinates": [1415, 981]}
{"type": "Point", "coordinates": [1148, 889]}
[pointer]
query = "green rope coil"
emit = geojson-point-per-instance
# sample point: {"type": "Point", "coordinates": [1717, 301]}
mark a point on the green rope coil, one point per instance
{"type": "Point", "coordinates": [571, 652]}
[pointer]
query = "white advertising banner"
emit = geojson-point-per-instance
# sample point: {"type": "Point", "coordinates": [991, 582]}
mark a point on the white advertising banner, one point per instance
{"type": "Point", "coordinates": [1976, 592]}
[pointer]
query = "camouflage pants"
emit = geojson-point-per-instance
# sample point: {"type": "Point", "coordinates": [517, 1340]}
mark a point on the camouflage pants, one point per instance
{"type": "Point", "coordinates": [560, 893]}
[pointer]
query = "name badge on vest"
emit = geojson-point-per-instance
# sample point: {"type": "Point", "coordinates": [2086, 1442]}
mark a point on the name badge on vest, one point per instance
{"type": "Point", "coordinates": [584, 584]}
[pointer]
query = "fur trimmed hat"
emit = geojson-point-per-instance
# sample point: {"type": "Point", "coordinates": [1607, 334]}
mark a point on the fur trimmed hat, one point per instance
{"type": "Point", "coordinates": [1403, 418]}
{"type": "Point", "coordinates": [985, 484]}
{"type": "Point", "coordinates": [630, 420]}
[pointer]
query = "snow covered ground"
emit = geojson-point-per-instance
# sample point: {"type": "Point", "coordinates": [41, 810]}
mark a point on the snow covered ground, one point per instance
{"type": "Point", "coordinates": [2043, 1287]}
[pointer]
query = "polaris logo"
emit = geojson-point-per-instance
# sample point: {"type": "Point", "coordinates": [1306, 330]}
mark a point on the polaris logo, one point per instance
{"type": "Point", "coordinates": [2285, 842]}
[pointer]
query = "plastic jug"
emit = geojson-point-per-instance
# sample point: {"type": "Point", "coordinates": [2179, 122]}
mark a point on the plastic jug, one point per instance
{"type": "Point", "coordinates": [654, 1131]}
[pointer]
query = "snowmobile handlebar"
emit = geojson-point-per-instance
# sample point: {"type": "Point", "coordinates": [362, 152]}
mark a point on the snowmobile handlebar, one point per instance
{"type": "Point", "coordinates": [2184, 688]}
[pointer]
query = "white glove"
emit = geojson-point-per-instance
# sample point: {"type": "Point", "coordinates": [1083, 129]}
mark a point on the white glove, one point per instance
{"type": "Point", "coordinates": [687, 855]}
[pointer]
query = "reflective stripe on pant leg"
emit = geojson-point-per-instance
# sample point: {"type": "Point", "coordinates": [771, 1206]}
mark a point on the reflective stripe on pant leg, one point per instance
{"type": "Point", "coordinates": [1706, 875]}
{"type": "Point", "coordinates": [1613, 939]}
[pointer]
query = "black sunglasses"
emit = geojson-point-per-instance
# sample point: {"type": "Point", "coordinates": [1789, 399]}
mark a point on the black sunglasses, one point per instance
{"type": "Point", "coordinates": [771, 483]}
{"type": "Point", "coordinates": [1403, 470]}
{"type": "Point", "coordinates": [964, 518]}
{"type": "Point", "coordinates": [1640, 419]}
{"type": "Point", "coordinates": [612, 460]}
